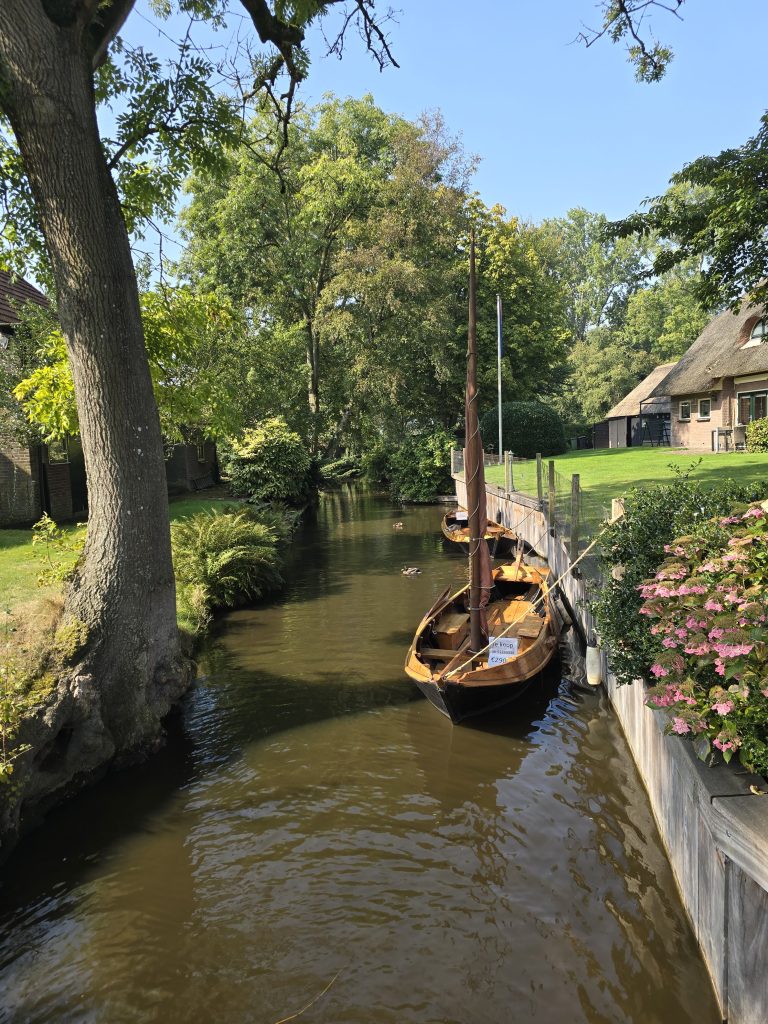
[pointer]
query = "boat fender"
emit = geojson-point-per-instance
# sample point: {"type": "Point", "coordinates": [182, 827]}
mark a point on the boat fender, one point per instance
{"type": "Point", "coordinates": [594, 665]}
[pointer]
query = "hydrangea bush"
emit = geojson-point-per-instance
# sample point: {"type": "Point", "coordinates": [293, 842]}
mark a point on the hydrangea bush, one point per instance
{"type": "Point", "coordinates": [707, 612]}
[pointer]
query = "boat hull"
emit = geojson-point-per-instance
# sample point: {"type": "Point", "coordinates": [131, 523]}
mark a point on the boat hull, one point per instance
{"type": "Point", "coordinates": [459, 703]}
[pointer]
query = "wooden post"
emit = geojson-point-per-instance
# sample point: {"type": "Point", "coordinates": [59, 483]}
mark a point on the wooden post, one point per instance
{"type": "Point", "coordinates": [508, 481]}
{"type": "Point", "coordinates": [617, 509]}
{"type": "Point", "coordinates": [575, 507]}
{"type": "Point", "coordinates": [539, 481]}
{"type": "Point", "coordinates": [551, 508]}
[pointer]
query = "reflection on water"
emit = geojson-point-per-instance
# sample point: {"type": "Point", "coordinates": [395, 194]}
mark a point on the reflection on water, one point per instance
{"type": "Point", "coordinates": [313, 818]}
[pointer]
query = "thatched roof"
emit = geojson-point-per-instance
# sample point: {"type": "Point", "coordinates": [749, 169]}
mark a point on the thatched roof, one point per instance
{"type": "Point", "coordinates": [717, 353]}
{"type": "Point", "coordinates": [630, 405]}
{"type": "Point", "coordinates": [14, 292]}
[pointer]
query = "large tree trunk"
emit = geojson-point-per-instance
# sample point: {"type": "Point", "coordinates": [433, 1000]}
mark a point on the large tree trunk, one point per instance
{"type": "Point", "coordinates": [131, 669]}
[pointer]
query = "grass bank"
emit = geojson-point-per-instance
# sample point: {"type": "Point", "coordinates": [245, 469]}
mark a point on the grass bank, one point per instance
{"type": "Point", "coordinates": [608, 473]}
{"type": "Point", "coordinates": [21, 562]}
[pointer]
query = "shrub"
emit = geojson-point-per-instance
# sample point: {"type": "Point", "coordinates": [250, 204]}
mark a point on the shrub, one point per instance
{"type": "Point", "coordinates": [339, 470]}
{"type": "Point", "coordinates": [634, 545]}
{"type": "Point", "coordinates": [420, 468]}
{"type": "Point", "coordinates": [269, 463]}
{"type": "Point", "coordinates": [707, 604]}
{"type": "Point", "coordinates": [757, 435]}
{"type": "Point", "coordinates": [222, 559]}
{"type": "Point", "coordinates": [528, 428]}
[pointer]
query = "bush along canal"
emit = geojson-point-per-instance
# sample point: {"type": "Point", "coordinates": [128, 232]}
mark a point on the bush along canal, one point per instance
{"type": "Point", "coordinates": [317, 833]}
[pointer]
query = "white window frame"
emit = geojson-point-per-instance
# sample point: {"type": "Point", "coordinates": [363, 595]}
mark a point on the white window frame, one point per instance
{"type": "Point", "coordinates": [700, 414]}
{"type": "Point", "coordinates": [752, 395]}
{"type": "Point", "coordinates": [758, 335]}
{"type": "Point", "coordinates": [685, 401]}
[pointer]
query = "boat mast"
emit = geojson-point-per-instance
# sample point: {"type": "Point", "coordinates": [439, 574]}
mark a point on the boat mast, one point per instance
{"type": "Point", "coordinates": [474, 470]}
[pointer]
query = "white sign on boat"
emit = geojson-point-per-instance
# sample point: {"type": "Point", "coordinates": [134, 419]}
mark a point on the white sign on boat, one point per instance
{"type": "Point", "coordinates": [501, 650]}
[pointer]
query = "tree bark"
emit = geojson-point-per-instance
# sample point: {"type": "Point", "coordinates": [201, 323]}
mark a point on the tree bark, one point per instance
{"type": "Point", "coordinates": [124, 592]}
{"type": "Point", "coordinates": [313, 387]}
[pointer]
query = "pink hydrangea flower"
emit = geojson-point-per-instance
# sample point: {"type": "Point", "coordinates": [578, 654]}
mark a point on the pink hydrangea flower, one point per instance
{"type": "Point", "coordinates": [723, 707]}
{"type": "Point", "coordinates": [659, 671]}
{"type": "Point", "coordinates": [701, 648]}
{"type": "Point", "coordinates": [713, 606]}
{"type": "Point", "coordinates": [755, 513]}
{"type": "Point", "coordinates": [722, 742]}
{"type": "Point", "coordinates": [680, 726]}
{"type": "Point", "coordinates": [668, 642]}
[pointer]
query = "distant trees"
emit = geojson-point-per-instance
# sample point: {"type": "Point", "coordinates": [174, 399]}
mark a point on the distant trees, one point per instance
{"type": "Point", "coordinates": [622, 320]}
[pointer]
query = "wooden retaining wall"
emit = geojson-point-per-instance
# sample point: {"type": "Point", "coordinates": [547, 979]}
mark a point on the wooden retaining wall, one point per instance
{"type": "Point", "coordinates": [714, 828]}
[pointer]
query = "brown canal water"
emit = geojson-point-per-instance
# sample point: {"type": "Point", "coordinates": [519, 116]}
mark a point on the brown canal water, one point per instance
{"type": "Point", "coordinates": [314, 823]}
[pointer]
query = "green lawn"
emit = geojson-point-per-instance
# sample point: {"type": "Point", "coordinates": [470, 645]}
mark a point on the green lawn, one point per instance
{"type": "Point", "coordinates": [21, 563]}
{"type": "Point", "coordinates": [609, 472]}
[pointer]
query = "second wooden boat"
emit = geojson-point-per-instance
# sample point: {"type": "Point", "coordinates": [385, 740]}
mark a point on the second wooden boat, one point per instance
{"type": "Point", "coordinates": [523, 628]}
{"type": "Point", "coordinates": [501, 541]}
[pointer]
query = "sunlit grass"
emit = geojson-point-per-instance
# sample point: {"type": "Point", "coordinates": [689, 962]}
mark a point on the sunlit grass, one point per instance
{"type": "Point", "coordinates": [608, 473]}
{"type": "Point", "coordinates": [21, 563]}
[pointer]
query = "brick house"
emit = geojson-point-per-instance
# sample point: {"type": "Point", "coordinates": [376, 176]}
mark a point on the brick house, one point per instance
{"type": "Point", "coordinates": [721, 383]}
{"type": "Point", "coordinates": [638, 419]}
{"type": "Point", "coordinates": [33, 478]}
{"type": "Point", "coordinates": [37, 478]}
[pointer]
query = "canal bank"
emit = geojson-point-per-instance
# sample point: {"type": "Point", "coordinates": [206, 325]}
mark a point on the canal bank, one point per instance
{"type": "Point", "coordinates": [714, 828]}
{"type": "Point", "coordinates": [316, 822]}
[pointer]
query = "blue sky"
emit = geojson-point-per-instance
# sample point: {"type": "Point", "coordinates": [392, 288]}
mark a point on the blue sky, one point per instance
{"type": "Point", "coordinates": [557, 125]}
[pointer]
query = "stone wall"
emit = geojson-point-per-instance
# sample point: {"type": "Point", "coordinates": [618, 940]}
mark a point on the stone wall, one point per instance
{"type": "Point", "coordinates": [19, 484]}
{"type": "Point", "coordinates": [714, 828]}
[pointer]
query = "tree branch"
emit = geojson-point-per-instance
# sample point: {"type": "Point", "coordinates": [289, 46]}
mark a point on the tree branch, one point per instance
{"type": "Point", "coordinates": [106, 22]}
{"type": "Point", "coordinates": [626, 17]}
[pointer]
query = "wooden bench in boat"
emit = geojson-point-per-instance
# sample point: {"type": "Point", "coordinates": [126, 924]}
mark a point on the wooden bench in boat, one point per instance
{"type": "Point", "coordinates": [437, 653]}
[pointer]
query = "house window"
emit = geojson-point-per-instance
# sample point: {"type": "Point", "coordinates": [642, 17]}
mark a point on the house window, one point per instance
{"type": "Point", "coordinates": [759, 334]}
{"type": "Point", "coordinates": [684, 412]}
{"type": "Point", "coordinates": [58, 452]}
{"type": "Point", "coordinates": [201, 452]}
{"type": "Point", "coordinates": [752, 406]}
{"type": "Point", "coordinates": [705, 408]}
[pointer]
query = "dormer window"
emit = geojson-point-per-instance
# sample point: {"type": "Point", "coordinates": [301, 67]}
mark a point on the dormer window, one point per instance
{"type": "Point", "coordinates": [759, 334]}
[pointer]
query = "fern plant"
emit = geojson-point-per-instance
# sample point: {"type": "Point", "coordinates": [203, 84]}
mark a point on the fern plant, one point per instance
{"type": "Point", "coordinates": [222, 559]}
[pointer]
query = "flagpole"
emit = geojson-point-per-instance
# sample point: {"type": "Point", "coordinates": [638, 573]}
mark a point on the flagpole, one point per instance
{"type": "Point", "coordinates": [498, 323]}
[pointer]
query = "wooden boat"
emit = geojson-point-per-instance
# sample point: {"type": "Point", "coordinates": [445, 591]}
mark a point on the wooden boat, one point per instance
{"type": "Point", "coordinates": [520, 611]}
{"type": "Point", "coordinates": [455, 526]}
{"type": "Point", "coordinates": [482, 646]}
